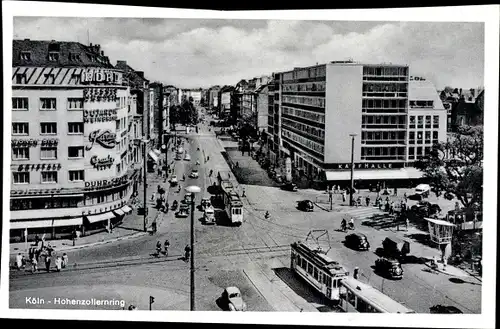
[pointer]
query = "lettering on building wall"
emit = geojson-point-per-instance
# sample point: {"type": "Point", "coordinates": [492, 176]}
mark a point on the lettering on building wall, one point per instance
{"type": "Point", "coordinates": [105, 138]}
{"type": "Point", "coordinates": [103, 76]}
{"type": "Point", "coordinates": [99, 95]}
{"type": "Point", "coordinates": [39, 166]}
{"type": "Point", "coordinates": [102, 163]}
{"type": "Point", "coordinates": [368, 165]}
{"type": "Point", "coordinates": [103, 183]}
{"type": "Point", "coordinates": [34, 142]}
{"type": "Point", "coordinates": [100, 115]}
{"type": "Point", "coordinates": [412, 78]}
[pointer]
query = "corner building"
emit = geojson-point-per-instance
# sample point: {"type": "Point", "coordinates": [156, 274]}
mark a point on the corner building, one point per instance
{"type": "Point", "coordinates": [69, 140]}
{"type": "Point", "coordinates": [322, 106]}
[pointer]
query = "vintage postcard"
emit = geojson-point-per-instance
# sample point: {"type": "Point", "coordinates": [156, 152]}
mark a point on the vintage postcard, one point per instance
{"type": "Point", "coordinates": [326, 164]}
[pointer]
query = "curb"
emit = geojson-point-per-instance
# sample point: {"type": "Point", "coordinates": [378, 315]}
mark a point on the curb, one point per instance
{"type": "Point", "coordinates": [126, 237]}
{"type": "Point", "coordinates": [447, 273]}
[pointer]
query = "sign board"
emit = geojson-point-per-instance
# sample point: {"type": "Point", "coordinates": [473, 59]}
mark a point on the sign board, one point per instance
{"type": "Point", "coordinates": [99, 115]}
{"type": "Point", "coordinates": [101, 76]}
{"type": "Point", "coordinates": [369, 165]}
{"type": "Point", "coordinates": [102, 163]}
{"type": "Point", "coordinates": [104, 183]}
{"type": "Point", "coordinates": [105, 138]}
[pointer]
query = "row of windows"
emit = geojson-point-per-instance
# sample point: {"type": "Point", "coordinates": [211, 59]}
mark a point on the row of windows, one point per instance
{"type": "Point", "coordinates": [51, 203]}
{"type": "Point", "coordinates": [418, 152]}
{"type": "Point", "coordinates": [420, 137]}
{"type": "Point", "coordinates": [359, 304]}
{"type": "Point", "coordinates": [309, 115]}
{"type": "Point", "coordinates": [121, 124]}
{"type": "Point", "coordinates": [305, 100]}
{"type": "Point", "coordinates": [382, 135]}
{"type": "Point", "coordinates": [394, 71]}
{"type": "Point", "coordinates": [48, 176]}
{"type": "Point", "coordinates": [306, 73]}
{"type": "Point", "coordinates": [384, 104]}
{"type": "Point", "coordinates": [374, 151]}
{"type": "Point", "coordinates": [46, 104]}
{"type": "Point", "coordinates": [46, 128]}
{"type": "Point", "coordinates": [384, 119]}
{"type": "Point", "coordinates": [304, 141]}
{"type": "Point", "coordinates": [310, 86]}
{"type": "Point", "coordinates": [318, 275]}
{"type": "Point", "coordinates": [47, 153]}
{"type": "Point", "coordinates": [420, 121]}
{"type": "Point", "coordinates": [316, 132]}
{"type": "Point", "coordinates": [385, 87]}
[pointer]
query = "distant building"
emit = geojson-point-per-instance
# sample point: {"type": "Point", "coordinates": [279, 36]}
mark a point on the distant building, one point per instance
{"type": "Point", "coordinates": [158, 114]}
{"type": "Point", "coordinates": [195, 94]}
{"type": "Point", "coordinates": [213, 97]}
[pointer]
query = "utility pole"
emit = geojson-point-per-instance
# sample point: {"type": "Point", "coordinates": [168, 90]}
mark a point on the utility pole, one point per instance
{"type": "Point", "coordinates": [193, 308]}
{"type": "Point", "coordinates": [145, 186]}
{"type": "Point", "coordinates": [352, 170]}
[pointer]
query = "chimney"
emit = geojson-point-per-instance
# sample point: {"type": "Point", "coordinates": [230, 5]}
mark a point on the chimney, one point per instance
{"type": "Point", "coordinates": [91, 44]}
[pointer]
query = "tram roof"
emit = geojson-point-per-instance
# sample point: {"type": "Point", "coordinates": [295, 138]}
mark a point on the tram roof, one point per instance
{"type": "Point", "coordinates": [374, 296]}
{"type": "Point", "coordinates": [320, 258]}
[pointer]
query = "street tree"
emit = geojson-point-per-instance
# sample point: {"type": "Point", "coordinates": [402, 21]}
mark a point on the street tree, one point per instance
{"type": "Point", "coordinates": [455, 167]}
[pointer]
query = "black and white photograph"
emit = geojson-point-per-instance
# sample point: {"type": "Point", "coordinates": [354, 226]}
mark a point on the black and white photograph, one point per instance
{"type": "Point", "coordinates": [320, 165]}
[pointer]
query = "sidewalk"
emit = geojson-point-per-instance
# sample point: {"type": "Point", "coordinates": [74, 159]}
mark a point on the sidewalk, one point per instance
{"type": "Point", "coordinates": [132, 225]}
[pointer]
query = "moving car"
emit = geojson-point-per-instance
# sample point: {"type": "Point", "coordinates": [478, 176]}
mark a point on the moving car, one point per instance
{"type": "Point", "coordinates": [173, 180]}
{"type": "Point", "coordinates": [187, 157]}
{"type": "Point", "coordinates": [423, 190]}
{"type": "Point", "coordinates": [194, 173]}
{"type": "Point", "coordinates": [389, 267]}
{"type": "Point", "coordinates": [426, 209]}
{"type": "Point", "coordinates": [396, 247]}
{"type": "Point", "coordinates": [231, 299]}
{"type": "Point", "coordinates": [289, 187]}
{"type": "Point", "coordinates": [442, 309]}
{"type": "Point", "coordinates": [209, 215]}
{"type": "Point", "coordinates": [357, 241]}
{"type": "Point", "coordinates": [305, 205]}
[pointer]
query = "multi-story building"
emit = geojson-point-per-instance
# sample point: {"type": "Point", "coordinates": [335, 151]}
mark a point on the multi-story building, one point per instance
{"type": "Point", "coordinates": [195, 94]}
{"type": "Point", "coordinates": [426, 119]}
{"type": "Point", "coordinates": [69, 139]}
{"type": "Point", "coordinates": [226, 101]}
{"type": "Point", "coordinates": [273, 119]}
{"type": "Point", "coordinates": [213, 97]}
{"type": "Point", "coordinates": [156, 104]}
{"type": "Point", "coordinates": [170, 98]}
{"type": "Point", "coordinates": [324, 109]}
{"type": "Point", "coordinates": [262, 98]}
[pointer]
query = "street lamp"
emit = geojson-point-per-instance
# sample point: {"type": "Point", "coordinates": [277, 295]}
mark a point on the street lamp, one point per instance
{"type": "Point", "coordinates": [352, 169]}
{"type": "Point", "coordinates": [193, 189]}
{"type": "Point", "coordinates": [145, 142]}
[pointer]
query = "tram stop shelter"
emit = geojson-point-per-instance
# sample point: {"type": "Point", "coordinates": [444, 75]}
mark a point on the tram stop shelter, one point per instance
{"type": "Point", "coordinates": [441, 233]}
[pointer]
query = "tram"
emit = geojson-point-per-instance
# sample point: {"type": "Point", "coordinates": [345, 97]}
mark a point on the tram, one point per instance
{"type": "Point", "coordinates": [358, 297]}
{"type": "Point", "coordinates": [232, 204]}
{"type": "Point", "coordinates": [317, 269]}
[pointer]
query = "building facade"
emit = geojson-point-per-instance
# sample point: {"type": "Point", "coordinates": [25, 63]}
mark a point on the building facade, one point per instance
{"type": "Point", "coordinates": [156, 104]}
{"type": "Point", "coordinates": [325, 109]}
{"type": "Point", "coordinates": [69, 139]}
{"type": "Point", "coordinates": [213, 97]}
{"type": "Point", "coordinates": [196, 94]}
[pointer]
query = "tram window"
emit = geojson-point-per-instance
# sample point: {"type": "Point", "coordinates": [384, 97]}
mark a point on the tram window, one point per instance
{"type": "Point", "coordinates": [320, 277]}
{"type": "Point", "coordinates": [310, 268]}
{"type": "Point", "coordinates": [304, 264]}
{"type": "Point", "coordinates": [362, 306]}
{"type": "Point", "coordinates": [351, 298]}
{"type": "Point", "coordinates": [298, 259]}
{"type": "Point", "coordinates": [335, 283]}
{"type": "Point", "coordinates": [342, 292]}
{"type": "Point", "coordinates": [315, 273]}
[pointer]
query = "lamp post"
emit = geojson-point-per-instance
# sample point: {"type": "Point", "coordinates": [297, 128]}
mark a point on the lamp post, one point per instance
{"type": "Point", "coordinates": [145, 141]}
{"type": "Point", "coordinates": [352, 169]}
{"type": "Point", "coordinates": [193, 189]}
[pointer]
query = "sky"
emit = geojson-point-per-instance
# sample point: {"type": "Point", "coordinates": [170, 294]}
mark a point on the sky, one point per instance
{"type": "Point", "coordinates": [192, 53]}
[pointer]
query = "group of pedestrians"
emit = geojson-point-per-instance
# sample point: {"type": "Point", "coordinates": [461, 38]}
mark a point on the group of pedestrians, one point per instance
{"type": "Point", "coordinates": [45, 253]}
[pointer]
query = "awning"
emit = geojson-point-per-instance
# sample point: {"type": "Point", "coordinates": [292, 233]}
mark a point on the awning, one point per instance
{"type": "Point", "coordinates": [46, 223]}
{"type": "Point", "coordinates": [382, 174]}
{"type": "Point", "coordinates": [126, 209]}
{"type": "Point", "coordinates": [99, 218]}
{"type": "Point", "coordinates": [439, 222]}
{"type": "Point", "coordinates": [414, 173]}
{"type": "Point", "coordinates": [119, 212]}
{"type": "Point", "coordinates": [154, 156]}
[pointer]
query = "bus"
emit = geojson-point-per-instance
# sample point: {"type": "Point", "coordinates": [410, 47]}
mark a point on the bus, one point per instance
{"type": "Point", "coordinates": [317, 269]}
{"type": "Point", "coordinates": [358, 297]}
{"type": "Point", "coordinates": [232, 204]}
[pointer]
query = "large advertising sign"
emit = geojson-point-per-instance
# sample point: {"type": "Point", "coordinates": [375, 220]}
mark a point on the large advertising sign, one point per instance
{"type": "Point", "coordinates": [101, 76]}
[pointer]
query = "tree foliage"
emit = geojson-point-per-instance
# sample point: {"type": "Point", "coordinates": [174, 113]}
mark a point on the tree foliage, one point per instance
{"type": "Point", "coordinates": [184, 114]}
{"type": "Point", "coordinates": [455, 167]}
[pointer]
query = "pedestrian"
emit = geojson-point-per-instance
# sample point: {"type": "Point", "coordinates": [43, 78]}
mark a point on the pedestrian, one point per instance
{"type": "Point", "coordinates": [406, 197]}
{"type": "Point", "coordinates": [37, 239]}
{"type": "Point", "coordinates": [58, 263]}
{"type": "Point", "coordinates": [355, 273]}
{"type": "Point", "coordinates": [30, 253]}
{"type": "Point", "coordinates": [344, 196]}
{"type": "Point", "coordinates": [367, 201]}
{"type": "Point", "coordinates": [243, 194]}
{"type": "Point", "coordinates": [395, 191]}
{"type": "Point", "coordinates": [64, 260]}
{"type": "Point", "coordinates": [153, 196]}
{"type": "Point", "coordinates": [47, 262]}
{"type": "Point", "coordinates": [19, 261]}
{"type": "Point", "coordinates": [407, 223]}
{"type": "Point", "coordinates": [34, 265]}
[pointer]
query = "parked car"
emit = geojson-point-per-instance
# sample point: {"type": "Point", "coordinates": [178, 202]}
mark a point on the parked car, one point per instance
{"type": "Point", "coordinates": [423, 190]}
{"type": "Point", "coordinates": [205, 202]}
{"type": "Point", "coordinates": [194, 173]}
{"type": "Point", "coordinates": [426, 209]}
{"type": "Point", "coordinates": [357, 241]}
{"type": "Point", "coordinates": [389, 267]}
{"type": "Point", "coordinates": [289, 187]}
{"type": "Point", "coordinates": [305, 205]}
{"type": "Point", "coordinates": [209, 215]}
{"type": "Point", "coordinates": [442, 309]}
{"type": "Point", "coordinates": [173, 180]}
{"type": "Point", "coordinates": [231, 299]}
{"type": "Point", "coordinates": [187, 198]}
